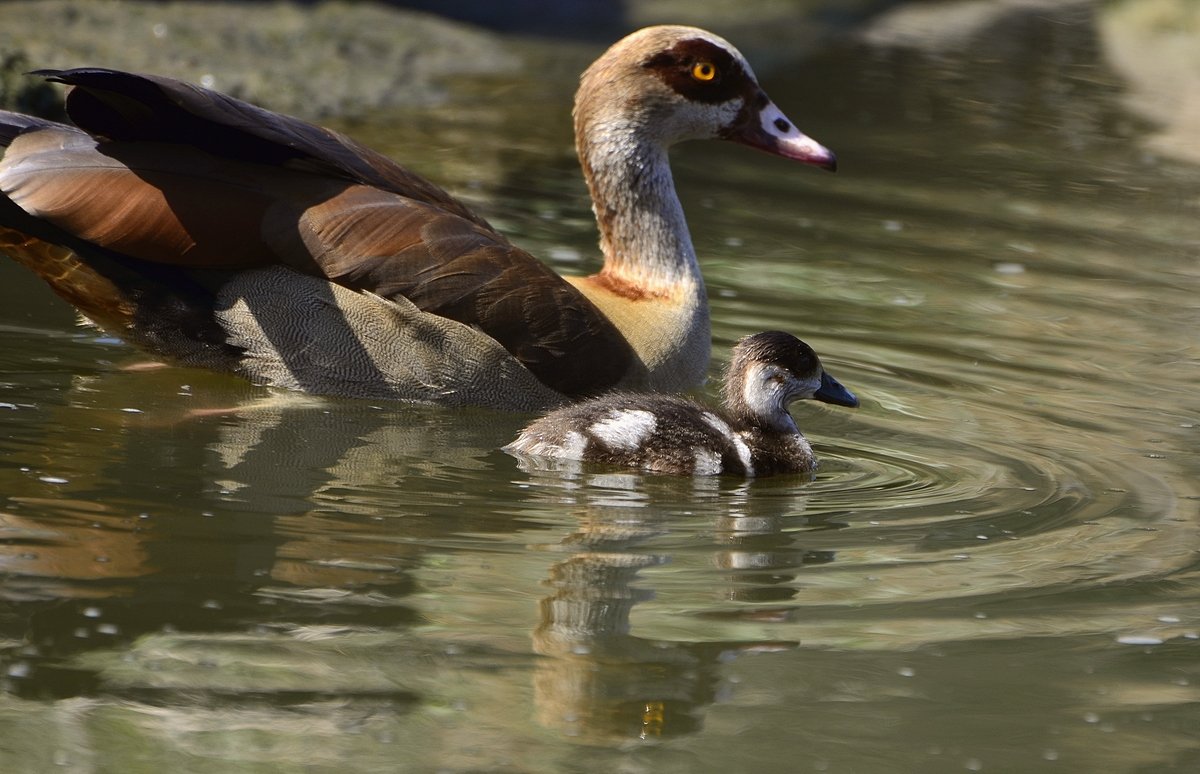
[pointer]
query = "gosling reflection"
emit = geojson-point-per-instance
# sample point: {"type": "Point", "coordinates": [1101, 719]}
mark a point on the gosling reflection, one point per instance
{"type": "Point", "coordinates": [599, 682]}
{"type": "Point", "coordinates": [763, 560]}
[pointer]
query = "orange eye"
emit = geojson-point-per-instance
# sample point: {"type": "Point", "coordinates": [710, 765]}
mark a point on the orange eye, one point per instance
{"type": "Point", "coordinates": [704, 71]}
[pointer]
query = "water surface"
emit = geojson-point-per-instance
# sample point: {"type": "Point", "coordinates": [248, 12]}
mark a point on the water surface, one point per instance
{"type": "Point", "coordinates": [997, 567]}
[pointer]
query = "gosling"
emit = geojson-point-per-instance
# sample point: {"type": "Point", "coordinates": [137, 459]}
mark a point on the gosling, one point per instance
{"type": "Point", "coordinates": [754, 435]}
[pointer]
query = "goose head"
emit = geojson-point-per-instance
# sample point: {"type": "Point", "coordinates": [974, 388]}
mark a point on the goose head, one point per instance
{"type": "Point", "coordinates": [666, 84]}
{"type": "Point", "coordinates": [768, 371]}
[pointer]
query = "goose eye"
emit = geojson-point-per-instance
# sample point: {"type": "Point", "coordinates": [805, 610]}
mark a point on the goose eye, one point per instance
{"type": "Point", "coordinates": [704, 71]}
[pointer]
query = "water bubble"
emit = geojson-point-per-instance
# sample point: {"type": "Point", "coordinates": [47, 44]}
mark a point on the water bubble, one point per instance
{"type": "Point", "coordinates": [1168, 619]}
{"type": "Point", "coordinates": [53, 480]}
{"type": "Point", "coordinates": [1091, 717]}
{"type": "Point", "coordinates": [1139, 639]}
{"type": "Point", "coordinates": [132, 411]}
{"type": "Point", "coordinates": [906, 671]}
{"type": "Point", "coordinates": [1050, 755]}
{"type": "Point", "coordinates": [1009, 268]}
{"type": "Point", "coordinates": [92, 612]}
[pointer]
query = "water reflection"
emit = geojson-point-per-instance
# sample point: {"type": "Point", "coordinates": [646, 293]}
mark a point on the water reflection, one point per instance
{"type": "Point", "coordinates": [601, 682]}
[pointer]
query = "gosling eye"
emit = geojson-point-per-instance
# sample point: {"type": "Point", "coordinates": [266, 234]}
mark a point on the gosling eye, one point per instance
{"type": "Point", "coordinates": [704, 71]}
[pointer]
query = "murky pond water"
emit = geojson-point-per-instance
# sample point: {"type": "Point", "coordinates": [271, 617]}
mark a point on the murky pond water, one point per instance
{"type": "Point", "coordinates": [997, 567]}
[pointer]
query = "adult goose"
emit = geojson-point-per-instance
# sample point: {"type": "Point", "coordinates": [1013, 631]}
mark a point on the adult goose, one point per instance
{"type": "Point", "coordinates": [210, 232]}
{"type": "Point", "coordinates": [754, 435]}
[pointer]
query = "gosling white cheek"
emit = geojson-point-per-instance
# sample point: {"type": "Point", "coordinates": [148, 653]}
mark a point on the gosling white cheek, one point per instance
{"type": "Point", "coordinates": [761, 393]}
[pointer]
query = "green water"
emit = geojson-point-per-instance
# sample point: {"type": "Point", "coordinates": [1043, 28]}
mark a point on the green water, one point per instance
{"type": "Point", "coordinates": [996, 569]}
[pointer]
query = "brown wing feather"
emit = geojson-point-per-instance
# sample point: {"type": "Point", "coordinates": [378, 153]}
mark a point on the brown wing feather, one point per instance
{"type": "Point", "coordinates": [141, 108]}
{"type": "Point", "coordinates": [374, 240]}
{"type": "Point", "coordinates": [167, 205]}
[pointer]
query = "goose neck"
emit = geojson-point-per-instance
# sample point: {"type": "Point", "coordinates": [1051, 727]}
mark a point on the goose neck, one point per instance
{"type": "Point", "coordinates": [643, 233]}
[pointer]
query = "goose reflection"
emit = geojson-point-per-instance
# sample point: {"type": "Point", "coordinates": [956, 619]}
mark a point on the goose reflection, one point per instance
{"type": "Point", "coordinates": [264, 523]}
{"type": "Point", "coordinates": [598, 681]}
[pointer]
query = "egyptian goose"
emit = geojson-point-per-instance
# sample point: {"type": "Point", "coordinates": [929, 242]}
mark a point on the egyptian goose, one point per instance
{"type": "Point", "coordinates": [754, 436]}
{"type": "Point", "coordinates": [211, 232]}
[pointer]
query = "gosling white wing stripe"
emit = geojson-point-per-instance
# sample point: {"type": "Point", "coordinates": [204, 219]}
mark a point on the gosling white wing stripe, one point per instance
{"type": "Point", "coordinates": [624, 430]}
{"type": "Point", "coordinates": [707, 461]}
{"type": "Point", "coordinates": [739, 445]}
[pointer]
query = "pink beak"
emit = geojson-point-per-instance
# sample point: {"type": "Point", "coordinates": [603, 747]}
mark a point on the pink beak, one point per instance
{"type": "Point", "coordinates": [771, 131]}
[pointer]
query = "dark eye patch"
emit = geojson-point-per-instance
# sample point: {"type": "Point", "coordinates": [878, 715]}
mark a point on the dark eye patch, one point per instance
{"type": "Point", "coordinates": [674, 67]}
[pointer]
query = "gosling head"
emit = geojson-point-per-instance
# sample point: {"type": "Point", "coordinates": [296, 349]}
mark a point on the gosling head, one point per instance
{"type": "Point", "coordinates": [768, 371]}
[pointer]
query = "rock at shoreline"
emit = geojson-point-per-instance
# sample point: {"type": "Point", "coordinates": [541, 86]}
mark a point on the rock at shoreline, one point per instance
{"type": "Point", "coordinates": [332, 58]}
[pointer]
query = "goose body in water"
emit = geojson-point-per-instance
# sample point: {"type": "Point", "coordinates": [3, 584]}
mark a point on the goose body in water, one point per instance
{"type": "Point", "coordinates": [753, 436]}
{"type": "Point", "coordinates": [209, 232]}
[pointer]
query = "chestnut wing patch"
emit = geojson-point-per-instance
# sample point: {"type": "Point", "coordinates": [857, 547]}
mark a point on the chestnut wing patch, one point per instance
{"type": "Point", "coordinates": [165, 204]}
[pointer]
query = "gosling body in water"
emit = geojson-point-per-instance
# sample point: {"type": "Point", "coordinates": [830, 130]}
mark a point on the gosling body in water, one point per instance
{"type": "Point", "coordinates": [754, 435]}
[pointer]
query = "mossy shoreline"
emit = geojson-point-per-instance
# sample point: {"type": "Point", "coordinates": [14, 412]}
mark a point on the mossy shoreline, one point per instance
{"type": "Point", "coordinates": [315, 60]}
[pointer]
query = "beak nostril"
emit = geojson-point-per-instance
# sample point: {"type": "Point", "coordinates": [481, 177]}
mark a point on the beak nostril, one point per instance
{"type": "Point", "coordinates": [782, 125]}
